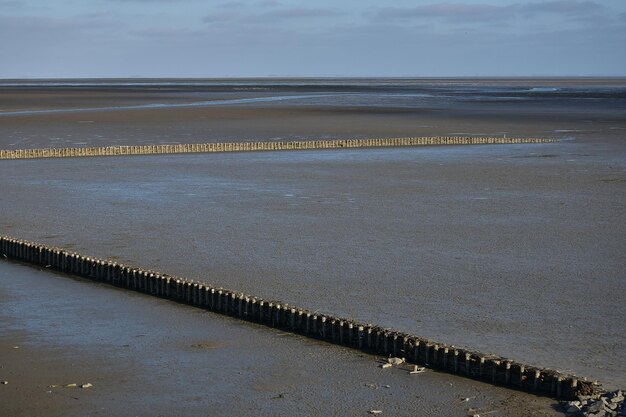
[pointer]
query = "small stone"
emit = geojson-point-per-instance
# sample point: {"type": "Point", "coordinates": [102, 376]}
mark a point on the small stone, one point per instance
{"type": "Point", "coordinates": [5, 382]}
{"type": "Point", "coordinates": [375, 411]}
{"type": "Point", "coordinates": [386, 365]}
{"type": "Point", "coordinates": [386, 386]}
{"type": "Point", "coordinates": [87, 385]}
{"type": "Point", "coordinates": [70, 386]}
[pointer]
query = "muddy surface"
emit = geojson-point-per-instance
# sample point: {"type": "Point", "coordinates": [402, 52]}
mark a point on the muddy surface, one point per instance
{"type": "Point", "coordinates": [100, 114]}
{"type": "Point", "coordinates": [508, 249]}
{"type": "Point", "coordinates": [145, 357]}
{"type": "Point", "coordinates": [516, 250]}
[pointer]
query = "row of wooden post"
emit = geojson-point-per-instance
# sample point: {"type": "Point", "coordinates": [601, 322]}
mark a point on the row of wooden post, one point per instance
{"type": "Point", "coordinates": [365, 337]}
{"type": "Point", "coordinates": [258, 146]}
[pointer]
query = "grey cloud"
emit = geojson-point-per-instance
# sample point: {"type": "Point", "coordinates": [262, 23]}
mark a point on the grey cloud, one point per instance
{"type": "Point", "coordinates": [148, 1]}
{"type": "Point", "coordinates": [487, 11]}
{"type": "Point", "coordinates": [444, 10]}
{"type": "Point", "coordinates": [49, 27]}
{"type": "Point", "coordinates": [221, 17]}
{"type": "Point", "coordinates": [167, 33]}
{"type": "Point", "coordinates": [32, 23]}
{"type": "Point", "coordinates": [278, 14]}
{"type": "Point", "coordinates": [11, 4]}
{"type": "Point", "coordinates": [561, 7]}
{"type": "Point", "coordinates": [270, 3]}
{"type": "Point", "coordinates": [230, 5]}
{"type": "Point", "coordinates": [301, 12]}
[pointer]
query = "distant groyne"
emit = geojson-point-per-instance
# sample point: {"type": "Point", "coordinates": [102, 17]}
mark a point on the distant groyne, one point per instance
{"type": "Point", "coordinates": [364, 337]}
{"type": "Point", "coordinates": [259, 146]}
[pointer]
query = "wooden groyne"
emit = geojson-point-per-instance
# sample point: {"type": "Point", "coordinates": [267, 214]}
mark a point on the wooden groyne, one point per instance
{"type": "Point", "coordinates": [365, 337]}
{"type": "Point", "coordinates": [259, 146]}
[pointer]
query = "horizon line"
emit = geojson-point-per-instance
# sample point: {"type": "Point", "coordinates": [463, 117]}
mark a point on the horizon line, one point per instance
{"type": "Point", "coordinates": [316, 77]}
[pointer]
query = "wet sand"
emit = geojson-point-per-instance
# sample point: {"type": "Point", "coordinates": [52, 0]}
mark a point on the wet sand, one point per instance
{"type": "Point", "coordinates": [172, 360]}
{"type": "Point", "coordinates": [505, 249]}
{"type": "Point", "coordinates": [515, 250]}
{"type": "Point", "coordinates": [436, 108]}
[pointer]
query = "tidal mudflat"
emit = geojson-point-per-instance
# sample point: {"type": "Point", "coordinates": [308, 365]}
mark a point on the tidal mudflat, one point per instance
{"type": "Point", "coordinates": [492, 247]}
{"type": "Point", "coordinates": [113, 112]}
{"type": "Point", "coordinates": [515, 250]}
{"type": "Point", "coordinates": [144, 357]}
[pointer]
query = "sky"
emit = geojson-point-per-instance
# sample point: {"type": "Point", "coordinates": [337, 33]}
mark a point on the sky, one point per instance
{"type": "Point", "coordinates": [362, 38]}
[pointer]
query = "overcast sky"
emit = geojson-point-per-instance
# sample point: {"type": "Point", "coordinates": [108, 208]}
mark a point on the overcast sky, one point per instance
{"type": "Point", "coordinates": [200, 38]}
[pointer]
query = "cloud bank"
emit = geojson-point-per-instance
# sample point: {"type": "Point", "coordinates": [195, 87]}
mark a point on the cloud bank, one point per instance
{"type": "Point", "coordinates": [195, 38]}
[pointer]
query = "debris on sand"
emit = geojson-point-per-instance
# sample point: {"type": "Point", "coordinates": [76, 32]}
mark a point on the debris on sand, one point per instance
{"type": "Point", "coordinates": [417, 370]}
{"type": "Point", "coordinates": [395, 361]}
{"type": "Point", "coordinates": [73, 385]}
{"type": "Point", "coordinates": [5, 382]}
{"type": "Point", "coordinates": [608, 404]}
{"type": "Point", "coordinates": [389, 362]}
{"type": "Point", "coordinates": [485, 413]}
{"type": "Point", "coordinates": [375, 411]}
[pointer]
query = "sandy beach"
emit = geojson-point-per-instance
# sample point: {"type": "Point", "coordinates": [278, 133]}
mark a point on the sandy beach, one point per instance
{"type": "Point", "coordinates": [515, 250]}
